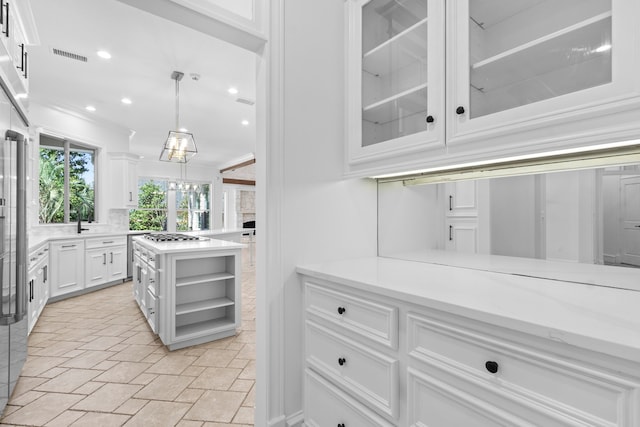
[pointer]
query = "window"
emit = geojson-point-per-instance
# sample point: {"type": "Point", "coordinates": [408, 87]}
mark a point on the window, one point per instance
{"type": "Point", "coordinates": [152, 206]}
{"type": "Point", "coordinates": [193, 209]}
{"type": "Point", "coordinates": [66, 182]}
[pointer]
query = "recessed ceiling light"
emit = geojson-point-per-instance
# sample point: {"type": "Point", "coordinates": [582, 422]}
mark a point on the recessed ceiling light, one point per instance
{"type": "Point", "coordinates": [232, 90]}
{"type": "Point", "coordinates": [245, 123]}
{"type": "Point", "coordinates": [21, 95]}
{"type": "Point", "coordinates": [126, 101]}
{"type": "Point", "coordinates": [103, 54]}
{"type": "Point", "coordinates": [183, 130]}
{"type": "Point", "coordinates": [90, 108]}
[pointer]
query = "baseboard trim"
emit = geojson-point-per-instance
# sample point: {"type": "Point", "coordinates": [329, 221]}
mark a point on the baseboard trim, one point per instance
{"type": "Point", "coordinates": [296, 419]}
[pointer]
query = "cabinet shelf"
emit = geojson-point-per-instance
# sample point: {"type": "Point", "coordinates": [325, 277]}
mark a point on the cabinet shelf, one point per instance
{"type": "Point", "coordinates": [400, 105]}
{"type": "Point", "coordinates": [208, 304]}
{"type": "Point", "coordinates": [405, 48]}
{"type": "Point", "coordinates": [207, 326]}
{"type": "Point", "coordinates": [580, 43]}
{"type": "Point", "coordinates": [203, 278]}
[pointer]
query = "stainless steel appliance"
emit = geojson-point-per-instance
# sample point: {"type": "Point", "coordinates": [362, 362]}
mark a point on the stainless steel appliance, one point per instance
{"type": "Point", "coordinates": [13, 246]}
{"type": "Point", "coordinates": [170, 237]}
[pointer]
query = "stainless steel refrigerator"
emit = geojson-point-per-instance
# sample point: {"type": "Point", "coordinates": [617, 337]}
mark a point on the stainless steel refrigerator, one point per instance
{"type": "Point", "coordinates": [13, 246]}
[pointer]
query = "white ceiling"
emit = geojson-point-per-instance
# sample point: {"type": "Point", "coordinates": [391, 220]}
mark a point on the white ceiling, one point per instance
{"type": "Point", "coordinates": [145, 50]}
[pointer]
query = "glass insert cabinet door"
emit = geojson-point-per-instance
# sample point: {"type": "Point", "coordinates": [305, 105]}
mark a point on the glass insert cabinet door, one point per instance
{"type": "Point", "coordinates": [394, 72]}
{"type": "Point", "coordinates": [521, 52]}
{"type": "Point", "coordinates": [520, 60]}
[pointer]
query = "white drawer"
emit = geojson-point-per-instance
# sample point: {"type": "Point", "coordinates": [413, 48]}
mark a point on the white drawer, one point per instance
{"type": "Point", "coordinates": [325, 406]}
{"type": "Point", "coordinates": [369, 319]}
{"type": "Point", "coordinates": [596, 397]}
{"type": "Point", "coordinates": [438, 402]}
{"type": "Point", "coordinates": [366, 374]}
{"type": "Point", "coordinates": [37, 255]}
{"type": "Point", "coordinates": [100, 242]}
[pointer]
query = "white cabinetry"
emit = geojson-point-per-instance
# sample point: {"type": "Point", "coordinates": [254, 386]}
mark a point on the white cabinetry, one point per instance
{"type": "Point", "coordinates": [448, 369]}
{"type": "Point", "coordinates": [145, 280]}
{"type": "Point", "coordinates": [106, 260]}
{"type": "Point", "coordinates": [38, 283]}
{"type": "Point", "coordinates": [123, 180]}
{"type": "Point", "coordinates": [461, 216]}
{"type": "Point", "coordinates": [67, 259]}
{"type": "Point", "coordinates": [15, 19]}
{"type": "Point", "coordinates": [522, 77]}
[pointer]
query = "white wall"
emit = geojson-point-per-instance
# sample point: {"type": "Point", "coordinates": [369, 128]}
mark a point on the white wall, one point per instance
{"type": "Point", "coordinates": [513, 216]}
{"type": "Point", "coordinates": [409, 218]}
{"type": "Point", "coordinates": [571, 216]}
{"type": "Point", "coordinates": [104, 137]}
{"type": "Point", "coordinates": [313, 214]}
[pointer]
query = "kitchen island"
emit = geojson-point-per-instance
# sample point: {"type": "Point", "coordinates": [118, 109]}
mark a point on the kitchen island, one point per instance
{"type": "Point", "coordinates": [188, 290]}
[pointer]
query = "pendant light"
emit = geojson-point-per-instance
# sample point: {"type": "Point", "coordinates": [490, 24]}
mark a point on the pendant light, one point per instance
{"type": "Point", "coordinates": [179, 147]}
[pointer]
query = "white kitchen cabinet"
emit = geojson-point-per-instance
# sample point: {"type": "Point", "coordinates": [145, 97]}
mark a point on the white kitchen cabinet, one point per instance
{"type": "Point", "coordinates": [37, 283]}
{"type": "Point", "coordinates": [106, 260]}
{"type": "Point", "coordinates": [123, 180]}
{"type": "Point", "coordinates": [449, 369]}
{"type": "Point", "coordinates": [522, 77]}
{"type": "Point", "coordinates": [67, 274]}
{"type": "Point", "coordinates": [395, 72]}
{"type": "Point", "coordinates": [15, 20]}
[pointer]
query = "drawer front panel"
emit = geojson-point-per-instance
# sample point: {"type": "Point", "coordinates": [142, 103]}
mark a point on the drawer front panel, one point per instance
{"type": "Point", "coordinates": [369, 319]}
{"type": "Point", "coordinates": [99, 242]}
{"type": "Point", "coordinates": [367, 375]}
{"type": "Point", "coordinates": [325, 406]}
{"type": "Point", "coordinates": [435, 402]}
{"type": "Point", "coordinates": [595, 396]}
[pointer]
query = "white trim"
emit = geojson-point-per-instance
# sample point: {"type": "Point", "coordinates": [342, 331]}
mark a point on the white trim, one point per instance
{"type": "Point", "coordinates": [270, 405]}
{"type": "Point", "coordinates": [295, 419]}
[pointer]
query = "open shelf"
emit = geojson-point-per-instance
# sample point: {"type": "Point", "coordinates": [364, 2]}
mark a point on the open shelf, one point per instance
{"type": "Point", "coordinates": [202, 278]}
{"type": "Point", "coordinates": [404, 49]}
{"type": "Point", "coordinates": [564, 48]}
{"type": "Point", "coordinates": [407, 103]}
{"type": "Point", "coordinates": [207, 304]}
{"type": "Point", "coordinates": [207, 326]}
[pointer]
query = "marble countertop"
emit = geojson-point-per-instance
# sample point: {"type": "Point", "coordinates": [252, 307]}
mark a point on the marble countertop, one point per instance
{"type": "Point", "coordinates": [591, 274]}
{"type": "Point", "coordinates": [189, 245]}
{"type": "Point", "coordinates": [594, 317]}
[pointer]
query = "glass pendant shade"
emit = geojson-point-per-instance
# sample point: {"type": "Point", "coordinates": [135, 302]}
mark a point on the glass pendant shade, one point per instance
{"type": "Point", "coordinates": [179, 147]}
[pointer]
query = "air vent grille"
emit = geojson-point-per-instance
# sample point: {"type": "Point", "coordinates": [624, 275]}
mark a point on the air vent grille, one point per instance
{"type": "Point", "coordinates": [69, 55]}
{"type": "Point", "coordinates": [245, 101]}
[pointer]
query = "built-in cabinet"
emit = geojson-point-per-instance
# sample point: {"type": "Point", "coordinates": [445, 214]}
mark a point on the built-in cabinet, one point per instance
{"type": "Point", "coordinates": [15, 19]}
{"type": "Point", "coordinates": [123, 180]}
{"type": "Point", "coordinates": [513, 72]}
{"type": "Point", "coordinates": [67, 257]}
{"type": "Point", "coordinates": [145, 284]}
{"type": "Point", "coordinates": [37, 283]}
{"type": "Point", "coordinates": [380, 361]}
{"type": "Point", "coordinates": [105, 260]}
{"type": "Point", "coordinates": [461, 216]}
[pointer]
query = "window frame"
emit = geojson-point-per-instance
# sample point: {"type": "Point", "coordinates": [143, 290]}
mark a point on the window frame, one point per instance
{"type": "Point", "coordinates": [208, 211]}
{"type": "Point", "coordinates": [167, 191]}
{"type": "Point", "coordinates": [67, 146]}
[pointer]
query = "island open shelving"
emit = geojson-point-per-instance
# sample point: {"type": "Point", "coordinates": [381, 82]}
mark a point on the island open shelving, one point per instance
{"type": "Point", "coordinates": [199, 290]}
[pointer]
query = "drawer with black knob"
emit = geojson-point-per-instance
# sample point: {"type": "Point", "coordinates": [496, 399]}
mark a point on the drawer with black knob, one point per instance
{"type": "Point", "coordinates": [327, 406]}
{"type": "Point", "coordinates": [367, 318]}
{"type": "Point", "coordinates": [366, 374]}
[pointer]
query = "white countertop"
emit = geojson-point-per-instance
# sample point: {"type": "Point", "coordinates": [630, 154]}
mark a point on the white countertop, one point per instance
{"type": "Point", "coordinates": [594, 317]}
{"type": "Point", "coordinates": [592, 274]}
{"type": "Point", "coordinates": [189, 245]}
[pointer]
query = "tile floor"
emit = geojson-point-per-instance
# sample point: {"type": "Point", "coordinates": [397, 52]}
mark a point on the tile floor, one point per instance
{"type": "Point", "coordinates": [93, 361]}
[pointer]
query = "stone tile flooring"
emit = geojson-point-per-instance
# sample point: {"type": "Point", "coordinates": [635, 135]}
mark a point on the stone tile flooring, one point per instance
{"type": "Point", "coordinates": [93, 361]}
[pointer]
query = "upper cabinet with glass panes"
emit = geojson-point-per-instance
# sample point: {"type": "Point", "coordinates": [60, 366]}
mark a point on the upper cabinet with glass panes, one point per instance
{"type": "Point", "coordinates": [520, 75]}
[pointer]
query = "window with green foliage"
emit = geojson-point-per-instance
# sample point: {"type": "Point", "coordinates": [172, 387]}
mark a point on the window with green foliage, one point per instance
{"type": "Point", "coordinates": [193, 209]}
{"type": "Point", "coordinates": [152, 206]}
{"type": "Point", "coordinates": [66, 182]}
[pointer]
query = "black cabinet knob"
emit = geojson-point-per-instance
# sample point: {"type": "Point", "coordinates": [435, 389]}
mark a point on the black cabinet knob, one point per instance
{"type": "Point", "coordinates": [342, 361]}
{"type": "Point", "coordinates": [491, 366]}
{"type": "Point", "coordinates": [460, 110]}
{"type": "Point", "coordinates": [341, 310]}
{"type": "Point", "coordinates": [341, 425]}
{"type": "Point", "coordinates": [430, 119]}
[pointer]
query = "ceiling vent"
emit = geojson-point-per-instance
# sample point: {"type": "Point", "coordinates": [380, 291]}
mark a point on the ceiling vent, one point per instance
{"type": "Point", "coordinates": [245, 101]}
{"type": "Point", "coordinates": [69, 55]}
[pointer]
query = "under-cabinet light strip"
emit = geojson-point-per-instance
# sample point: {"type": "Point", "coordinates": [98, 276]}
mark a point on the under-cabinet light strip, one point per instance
{"type": "Point", "coordinates": [620, 153]}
